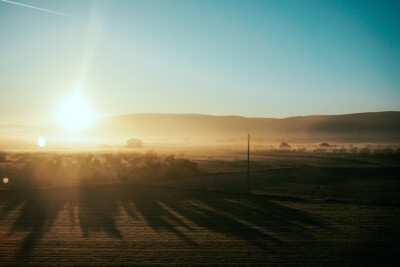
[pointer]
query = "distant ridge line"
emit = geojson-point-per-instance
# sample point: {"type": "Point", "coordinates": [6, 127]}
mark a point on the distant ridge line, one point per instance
{"type": "Point", "coordinates": [239, 116]}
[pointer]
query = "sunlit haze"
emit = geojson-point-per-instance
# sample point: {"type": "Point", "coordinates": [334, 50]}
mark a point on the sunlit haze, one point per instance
{"type": "Point", "coordinates": [250, 58]}
{"type": "Point", "coordinates": [199, 132]}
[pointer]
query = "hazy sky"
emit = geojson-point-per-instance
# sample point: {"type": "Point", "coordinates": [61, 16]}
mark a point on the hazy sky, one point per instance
{"type": "Point", "coordinates": [251, 58]}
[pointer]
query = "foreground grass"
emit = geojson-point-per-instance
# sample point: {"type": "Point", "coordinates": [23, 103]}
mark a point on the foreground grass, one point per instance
{"type": "Point", "coordinates": [131, 224]}
{"type": "Point", "coordinates": [368, 185]}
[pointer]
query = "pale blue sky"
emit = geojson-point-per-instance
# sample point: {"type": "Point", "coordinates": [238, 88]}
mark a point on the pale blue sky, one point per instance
{"type": "Point", "coordinates": [250, 58]}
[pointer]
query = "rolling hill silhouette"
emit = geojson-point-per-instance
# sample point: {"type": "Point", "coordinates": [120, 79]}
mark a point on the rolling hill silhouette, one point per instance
{"type": "Point", "coordinates": [357, 127]}
{"type": "Point", "coordinates": [372, 126]}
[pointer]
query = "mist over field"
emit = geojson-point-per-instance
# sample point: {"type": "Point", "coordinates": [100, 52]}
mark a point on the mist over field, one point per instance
{"type": "Point", "coordinates": [183, 129]}
{"type": "Point", "coordinates": [201, 132]}
{"type": "Point", "coordinates": [323, 189]}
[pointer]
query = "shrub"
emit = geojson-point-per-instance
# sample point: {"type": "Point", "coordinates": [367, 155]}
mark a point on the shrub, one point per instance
{"type": "Point", "coordinates": [301, 149]}
{"type": "Point", "coordinates": [179, 168]}
{"type": "Point", "coordinates": [384, 152]}
{"type": "Point", "coordinates": [324, 145]}
{"type": "Point", "coordinates": [2, 157]}
{"type": "Point", "coordinates": [365, 151]}
{"type": "Point", "coordinates": [388, 151]}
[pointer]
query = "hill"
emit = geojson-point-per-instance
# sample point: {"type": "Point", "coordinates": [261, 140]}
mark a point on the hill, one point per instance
{"type": "Point", "coordinates": [379, 127]}
{"type": "Point", "coordinates": [372, 126]}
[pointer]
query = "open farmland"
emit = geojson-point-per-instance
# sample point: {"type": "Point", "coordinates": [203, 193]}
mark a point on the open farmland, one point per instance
{"type": "Point", "coordinates": [199, 132]}
{"type": "Point", "coordinates": [106, 225]}
{"type": "Point", "coordinates": [296, 213]}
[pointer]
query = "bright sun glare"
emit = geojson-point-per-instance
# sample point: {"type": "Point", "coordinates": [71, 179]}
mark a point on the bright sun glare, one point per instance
{"type": "Point", "coordinates": [41, 141]}
{"type": "Point", "coordinates": [74, 113]}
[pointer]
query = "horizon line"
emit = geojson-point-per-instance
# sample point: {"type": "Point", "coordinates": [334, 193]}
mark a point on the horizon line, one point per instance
{"type": "Point", "coordinates": [200, 114]}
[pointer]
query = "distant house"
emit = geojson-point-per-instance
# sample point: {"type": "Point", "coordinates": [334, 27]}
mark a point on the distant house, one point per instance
{"type": "Point", "coordinates": [284, 146]}
{"type": "Point", "coordinates": [134, 142]}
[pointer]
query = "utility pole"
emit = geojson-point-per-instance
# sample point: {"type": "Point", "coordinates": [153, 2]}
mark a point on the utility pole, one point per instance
{"type": "Point", "coordinates": [248, 164]}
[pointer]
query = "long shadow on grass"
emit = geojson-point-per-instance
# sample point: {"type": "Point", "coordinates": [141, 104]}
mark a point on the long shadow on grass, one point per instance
{"type": "Point", "coordinates": [252, 218]}
{"type": "Point", "coordinates": [255, 219]}
{"type": "Point", "coordinates": [97, 210]}
{"type": "Point", "coordinates": [36, 216]}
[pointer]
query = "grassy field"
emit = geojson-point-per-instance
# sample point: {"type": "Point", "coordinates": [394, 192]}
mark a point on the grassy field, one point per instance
{"type": "Point", "coordinates": [106, 225]}
{"type": "Point", "coordinates": [301, 210]}
{"type": "Point", "coordinates": [371, 185]}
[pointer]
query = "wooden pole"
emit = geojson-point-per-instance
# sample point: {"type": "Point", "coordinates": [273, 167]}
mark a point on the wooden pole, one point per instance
{"type": "Point", "coordinates": [248, 164]}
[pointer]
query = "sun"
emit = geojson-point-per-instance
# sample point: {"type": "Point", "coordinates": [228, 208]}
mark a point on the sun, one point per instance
{"type": "Point", "coordinates": [74, 113]}
{"type": "Point", "coordinates": [41, 141]}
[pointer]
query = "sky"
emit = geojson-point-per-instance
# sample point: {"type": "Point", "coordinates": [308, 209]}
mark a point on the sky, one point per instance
{"type": "Point", "coordinates": [250, 58]}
